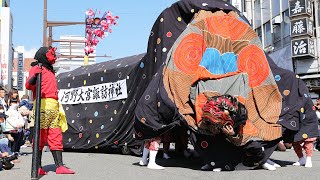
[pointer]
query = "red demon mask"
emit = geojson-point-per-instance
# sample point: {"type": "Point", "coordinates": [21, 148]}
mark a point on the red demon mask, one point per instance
{"type": "Point", "coordinates": [51, 55]}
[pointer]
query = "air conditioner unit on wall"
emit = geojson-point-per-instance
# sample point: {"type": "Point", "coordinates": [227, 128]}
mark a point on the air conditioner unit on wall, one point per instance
{"type": "Point", "coordinates": [276, 20]}
{"type": "Point", "coordinates": [269, 49]}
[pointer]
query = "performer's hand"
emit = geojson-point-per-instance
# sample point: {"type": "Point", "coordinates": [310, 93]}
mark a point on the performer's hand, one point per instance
{"type": "Point", "coordinates": [5, 154]}
{"type": "Point", "coordinates": [37, 70]}
{"type": "Point", "coordinates": [228, 130]}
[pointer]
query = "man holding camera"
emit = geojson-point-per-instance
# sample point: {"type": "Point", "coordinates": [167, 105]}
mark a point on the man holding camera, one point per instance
{"type": "Point", "coordinates": [6, 156]}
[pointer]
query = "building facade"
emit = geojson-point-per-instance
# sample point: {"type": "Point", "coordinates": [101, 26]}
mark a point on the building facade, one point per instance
{"type": "Point", "coordinates": [289, 32]}
{"type": "Point", "coordinates": [72, 46]}
{"type": "Point", "coordinates": [6, 49]}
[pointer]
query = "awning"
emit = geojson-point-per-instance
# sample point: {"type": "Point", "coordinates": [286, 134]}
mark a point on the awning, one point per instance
{"type": "Point", "coordinates": [310, 76]}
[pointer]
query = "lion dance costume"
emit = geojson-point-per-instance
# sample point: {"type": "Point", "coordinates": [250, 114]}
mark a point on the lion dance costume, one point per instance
{"type": "Point", "coordinates": [52, 118]}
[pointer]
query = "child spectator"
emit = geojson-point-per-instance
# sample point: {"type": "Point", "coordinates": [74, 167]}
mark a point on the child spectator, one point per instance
{"type": "Point", "coordinates": [25, 102]}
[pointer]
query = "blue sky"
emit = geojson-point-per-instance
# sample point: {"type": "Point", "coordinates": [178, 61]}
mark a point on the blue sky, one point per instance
{"type": "Point", "coordinates": [129, 37]}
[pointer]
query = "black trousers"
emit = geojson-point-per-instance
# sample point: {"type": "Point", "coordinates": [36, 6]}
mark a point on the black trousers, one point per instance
{"type": "Point", "coordinates": [17, 143]}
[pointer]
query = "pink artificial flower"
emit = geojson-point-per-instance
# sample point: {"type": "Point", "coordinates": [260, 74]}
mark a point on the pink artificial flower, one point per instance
{"type": "Point", "coordinates": [95, 41]}
{"type": "Point", "coordinates": [89, 49]}
{"type": "Point", "coordinates": [104, 23]}
{"type": "Point", "coordinates": [94, 33]}
{"type": "Point", "coordinates": [89, 37]}
{"type": "Point", "coordinates": [90, 12]}
{"type": "Point", "coordinates": [90, 20]}
{"type": "Point", "coordinates": [109, 14]}
{"type": "Point", "coordinates": [89, 30]}
{"type": "Point", "coordinates": [86, 49]}
{"type": "Point", "coordinates": [99, 33]}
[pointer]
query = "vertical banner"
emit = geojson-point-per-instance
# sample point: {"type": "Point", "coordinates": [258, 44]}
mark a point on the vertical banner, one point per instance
{"type": "Point", "coordinates": [20, 72]}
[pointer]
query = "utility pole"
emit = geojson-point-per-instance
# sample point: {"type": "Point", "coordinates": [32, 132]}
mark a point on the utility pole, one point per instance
{"type": "Point", "coordinates": [45, 21]}
{"type": "Point", "coordinates": [47, 40]}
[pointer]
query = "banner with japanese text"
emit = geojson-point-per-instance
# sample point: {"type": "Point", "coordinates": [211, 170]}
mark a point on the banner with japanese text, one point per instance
{"type": "Point", "coordinates": [20, 75]}
{"type": "Point", "coordinates": [93, 94]}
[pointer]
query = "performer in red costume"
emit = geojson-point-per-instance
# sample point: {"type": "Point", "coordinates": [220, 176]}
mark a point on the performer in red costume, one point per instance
{"type": "Point", "coordinates": [51, 123]}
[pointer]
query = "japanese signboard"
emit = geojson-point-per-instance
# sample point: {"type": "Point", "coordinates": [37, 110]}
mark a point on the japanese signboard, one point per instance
{"type": "Point", "coordinates": [303, 47]}
{"type": "Point", "coordinates": [301, 27]}
{"type": "Point", "coordinates": [20, 75]}
{"type": "Point", "coordinates": [300, 7]}
{"type": "Point", "coordinates": [93, 94]}
{"type": "Point", "coordinates": [4, 68]}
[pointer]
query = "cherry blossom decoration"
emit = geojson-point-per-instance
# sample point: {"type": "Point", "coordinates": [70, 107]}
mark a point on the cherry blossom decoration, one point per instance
{"type": "Point", "coordinates": [97, 28]}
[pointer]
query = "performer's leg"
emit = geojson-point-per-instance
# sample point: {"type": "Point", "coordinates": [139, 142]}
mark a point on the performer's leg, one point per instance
{"type": "Point", "coordinates": [269, 147]}
{"type": "Point", "coordinates": [308, 147]}
{"type": "Point", "coordinates": [154, 147]}
{"type": "Point", "coordinates": [298, 149]}
{"type": "Point", "coordinates": [166, 139]}
{"type": "Point", "coordinates": [184, 145]}
{"type": "Point", "coordinates": [144, 159]}
{"type": "Point", "coordinates": [56, 147]}
{"type": "Point", "coordinates": [166, 147]}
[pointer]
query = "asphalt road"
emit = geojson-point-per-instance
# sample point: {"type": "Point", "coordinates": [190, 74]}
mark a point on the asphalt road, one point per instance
{"type": "Point", "coordinates": [90, 166]}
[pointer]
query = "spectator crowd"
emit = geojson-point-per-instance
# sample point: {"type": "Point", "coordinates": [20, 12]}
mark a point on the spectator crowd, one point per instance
{"type": "Point", "coordinates": [16, 127]}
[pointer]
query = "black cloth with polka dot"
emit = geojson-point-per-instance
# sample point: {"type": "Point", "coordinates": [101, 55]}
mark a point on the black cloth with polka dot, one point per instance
{"type": "Point", "coordinates": [158, 114]}
{"type": "Point", "coordinates": [99, 126]}
{"type": "Point", "coordinates": [298, 119]}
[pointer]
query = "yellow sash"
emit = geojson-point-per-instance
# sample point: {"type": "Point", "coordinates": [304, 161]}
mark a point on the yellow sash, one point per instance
{"type": "Point", "coordinates": [52, 104]}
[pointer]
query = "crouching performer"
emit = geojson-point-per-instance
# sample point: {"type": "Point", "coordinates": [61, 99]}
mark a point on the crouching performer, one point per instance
{"type": "Point", "coordinates": [220, 134]}
{"type": "Point", "coordinates": [52, 118]}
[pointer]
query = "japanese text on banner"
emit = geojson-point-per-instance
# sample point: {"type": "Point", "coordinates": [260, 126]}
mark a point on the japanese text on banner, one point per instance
{"type": "Point", "coordinates": [93, 94]}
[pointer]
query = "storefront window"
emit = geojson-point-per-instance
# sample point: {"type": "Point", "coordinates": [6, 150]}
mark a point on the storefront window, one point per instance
{"type": "Point", "coordinates": [277, 32]}
{"type": "Point", "coordinates": [267, 34]}
{"type": "Point", "coordinates": [286, 24]}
